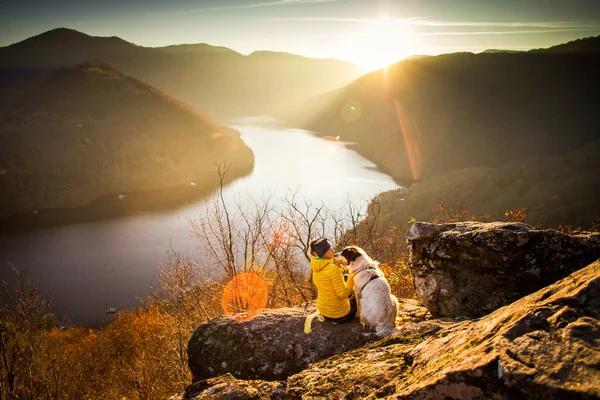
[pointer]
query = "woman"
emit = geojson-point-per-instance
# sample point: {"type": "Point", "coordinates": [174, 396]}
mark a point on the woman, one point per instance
{"type": "Point", "coordinates": [333, 292]}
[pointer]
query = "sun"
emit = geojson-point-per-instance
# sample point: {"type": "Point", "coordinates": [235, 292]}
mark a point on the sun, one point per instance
{"type": "Point", "coordinates": [381, 43]}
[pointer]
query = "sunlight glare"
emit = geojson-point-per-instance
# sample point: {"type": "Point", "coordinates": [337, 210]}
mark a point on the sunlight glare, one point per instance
{"type": "Point", "coordinates": [381, 43]}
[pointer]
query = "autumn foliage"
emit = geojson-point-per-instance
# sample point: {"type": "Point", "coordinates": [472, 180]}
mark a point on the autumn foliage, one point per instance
{"type": "Point", "coordinates": [253, 260]}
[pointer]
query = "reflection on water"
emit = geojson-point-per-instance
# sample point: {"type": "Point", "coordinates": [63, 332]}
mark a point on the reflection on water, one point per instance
{"type": "Point", "coordinates": [90, 267]}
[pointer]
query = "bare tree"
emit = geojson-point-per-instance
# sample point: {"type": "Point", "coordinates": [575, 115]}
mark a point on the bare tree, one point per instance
{"type": "Point", "coordinates": [258, 237]}
{"type": "Point", "coordinates": [303, 221]}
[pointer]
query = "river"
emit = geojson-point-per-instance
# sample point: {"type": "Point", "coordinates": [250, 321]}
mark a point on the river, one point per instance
{"type": "Point", "coordinates": [90, 267]}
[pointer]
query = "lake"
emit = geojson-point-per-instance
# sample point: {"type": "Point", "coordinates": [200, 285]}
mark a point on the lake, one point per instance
{"type": "Point", "coordinates": [90, 267]}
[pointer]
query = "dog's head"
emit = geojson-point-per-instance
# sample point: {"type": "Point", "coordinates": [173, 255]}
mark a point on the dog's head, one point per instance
{"type": "Point", "coordinates": [352, 255]}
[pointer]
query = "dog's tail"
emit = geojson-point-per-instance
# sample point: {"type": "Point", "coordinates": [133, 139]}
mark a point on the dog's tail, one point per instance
{"type": "Point", "coordinates": [388, 328]}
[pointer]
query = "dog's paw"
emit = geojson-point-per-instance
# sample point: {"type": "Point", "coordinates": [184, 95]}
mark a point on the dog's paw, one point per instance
{"type": "Point", "coordinates": [384, 331]}
{"type": "Point", "coordinates": [369, 335]}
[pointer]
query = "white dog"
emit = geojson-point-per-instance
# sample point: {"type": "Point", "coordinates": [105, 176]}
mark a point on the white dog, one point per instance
{"type": "Point", "coordinates": [377, 307]}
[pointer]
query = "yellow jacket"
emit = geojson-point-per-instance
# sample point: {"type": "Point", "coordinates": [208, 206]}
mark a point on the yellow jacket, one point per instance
{"type": "Point", "coordinates": [333, 292]}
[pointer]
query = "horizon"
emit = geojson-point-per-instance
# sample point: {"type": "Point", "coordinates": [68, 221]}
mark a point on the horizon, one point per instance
{"type": "Point", "coordinates": [368, 34]}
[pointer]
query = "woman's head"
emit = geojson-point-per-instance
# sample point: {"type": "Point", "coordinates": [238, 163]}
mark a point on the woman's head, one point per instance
{"type": "Point", "coordinates": [321, 248]}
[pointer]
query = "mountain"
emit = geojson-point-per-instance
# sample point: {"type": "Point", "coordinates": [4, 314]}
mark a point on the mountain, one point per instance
{"type": "Point", "coordinates": [491, 51]}
{"type": "Point", "coordinates": [217, 80]}
{"type": "Point", "coordinates": [197, 48]}
{"type": "Point", "coordinates": [589, 45]}
{"type": "Point", "coordinates": [422, 118]}
{"type": "Point", "coordinates": [89, 131]}
{"type": "Point", "coordinates": [65, 47]}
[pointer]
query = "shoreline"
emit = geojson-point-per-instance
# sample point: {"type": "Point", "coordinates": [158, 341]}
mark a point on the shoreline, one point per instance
{"type": "Point", "coordinates": [112, 206]}
{"type": "Point", "coordinates": [355, 146]}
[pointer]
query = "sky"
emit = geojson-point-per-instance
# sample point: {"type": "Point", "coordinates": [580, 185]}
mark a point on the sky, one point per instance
{"type": "Point", "coordinates": [371, 33]}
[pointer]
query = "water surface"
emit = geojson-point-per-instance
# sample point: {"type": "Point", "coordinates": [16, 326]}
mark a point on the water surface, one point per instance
{"type": "Point", "coordinates": [89, 267]}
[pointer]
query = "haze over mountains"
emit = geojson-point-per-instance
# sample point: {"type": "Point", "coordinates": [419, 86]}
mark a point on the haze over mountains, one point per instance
{"type": "Point", "coordinates": [523, 128]}
{"type": "Point", "coordinates": [76, 124]}
{"type": "Point", "coordinates": [216, 80]}
{"type": "Point", "coordinates": [492, 131]}
{"type": "Point", "coordinates": [89, 131]}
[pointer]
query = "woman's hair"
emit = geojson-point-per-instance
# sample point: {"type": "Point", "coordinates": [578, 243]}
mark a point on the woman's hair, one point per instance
{"type": "Point", "coordinates": [311, 247]}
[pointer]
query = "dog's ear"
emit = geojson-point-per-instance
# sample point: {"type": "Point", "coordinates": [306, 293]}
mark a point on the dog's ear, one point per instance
{"type": "Point", "coordinates": [350, 254]}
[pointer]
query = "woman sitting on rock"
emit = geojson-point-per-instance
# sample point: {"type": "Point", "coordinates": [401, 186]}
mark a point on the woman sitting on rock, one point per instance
{"type": "Point", "coordinates": [333, 292]}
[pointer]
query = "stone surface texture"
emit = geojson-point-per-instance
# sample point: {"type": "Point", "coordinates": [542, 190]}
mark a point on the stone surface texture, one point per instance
{"type": "Point", "coordinates": [226, 387]}
{"type": "Point", "coordinates": [273, 345]}
{"type": "Point", "coordinates": [270, 346]}
{"type": "Point", "coordinates": [473, 268]}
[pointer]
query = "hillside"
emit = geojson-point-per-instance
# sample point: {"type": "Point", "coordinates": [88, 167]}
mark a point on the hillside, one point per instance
{"type": "Point", "coordinates": [519, 115]}
{"type": "Point", "coordinates": [214, 79]}
{"type": "Point", "coordinates": [589, 45]}
{"type": "Point", "coordinates": [90, 130]}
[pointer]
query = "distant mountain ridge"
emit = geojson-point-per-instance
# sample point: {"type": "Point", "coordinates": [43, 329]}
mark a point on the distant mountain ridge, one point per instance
{"type": "Point", "coordinates": [197, 47]}
{"type": "Point", "coordinates": [64, 47]}
{"type": "Point", "coordinates": [484, 97]}
{"type": "Point", "coordinates": [422, 118]}
{"type": "Point", "coordinates": [589, 45]}
{"type": "Point", "coordinates": [215, 79]}
{"type": "Point", "coordinates": [89, 131]}
{"type": "Point", "coordinates": [491, 51]}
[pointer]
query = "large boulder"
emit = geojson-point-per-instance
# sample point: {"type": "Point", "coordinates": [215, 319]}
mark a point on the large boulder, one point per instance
{"type": "Point", "coordinates": [544, 346]}
{"type": "Point", "coordinates": [472, 268]}
{"type": "Point", "coordinates": [270, 346]}
{"type": "Point", "coordinates": [273, 345]}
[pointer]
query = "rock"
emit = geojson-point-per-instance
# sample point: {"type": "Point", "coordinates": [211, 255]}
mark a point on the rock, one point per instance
{"type": "Point", "coordinates": [544, 346]}
{"type": "Point", "coordinates": [410, 311]}
{"type": "Point", "coordinates": [227, 387]}
{"type": "Point", "coordinates": [273, 345]}
{"type": "Point", "coordinates": [472, 268]}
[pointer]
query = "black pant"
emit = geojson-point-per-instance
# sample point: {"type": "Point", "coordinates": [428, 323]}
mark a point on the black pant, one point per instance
{"type": "Point", "coordinates": [348, 317]}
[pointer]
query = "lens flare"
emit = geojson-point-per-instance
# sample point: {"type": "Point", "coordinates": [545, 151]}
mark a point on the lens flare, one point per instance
{"type": "Point", "coordinates": [410, 134]}
{"type": "Point", "coordinates": [351, 111]}
{"type": "Point", "coordinates": [245, 295]}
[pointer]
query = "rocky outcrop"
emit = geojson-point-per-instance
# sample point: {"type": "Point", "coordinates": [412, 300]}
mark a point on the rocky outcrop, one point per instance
{"type": "Point", "coordinates": [274, 345]}
{"type": "Point", "coordinates": [472, 268]}
{"type": "Point", "coordinates": [544, 346]}
{"type": "Point", "coordinates": [270, 346]}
